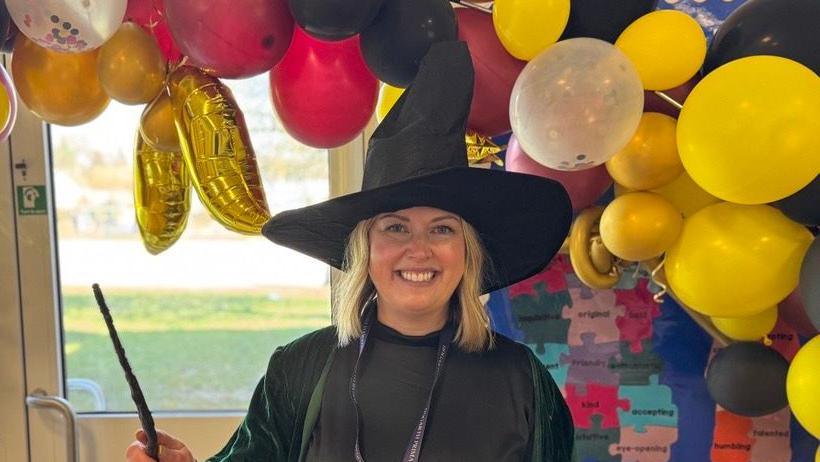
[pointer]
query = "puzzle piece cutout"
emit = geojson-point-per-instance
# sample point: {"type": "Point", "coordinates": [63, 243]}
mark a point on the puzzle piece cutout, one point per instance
{"type": "Point", "coordinates": [539, 318]}
{"type": "Point", "coordinates": [551, 359]}
{"type": "Point", "coordinates": [731, 442]}
{"type": "Point", "coordinates": [772, 437]}
{"type": "Point", "coordinates": [574, 283]}
{"type": "Point", "coordinates": [649, 405]}
{"type": "Point", "coordinates": [589, 363]}
{"type": "Point", "coordinates": [551, 279]}
{"type": "Point", "coordinates": [652, 445]}
{"type": "Point", "coordinates": [596, 314]}
{"type": "Point", "coordinates": [635, 325]}
{"type": "Point", "coordinates": [593, 444]}
{"type": "Point", "coordinates": [599, 400]}
{"type": "Point", "coordinates": [636, 368]}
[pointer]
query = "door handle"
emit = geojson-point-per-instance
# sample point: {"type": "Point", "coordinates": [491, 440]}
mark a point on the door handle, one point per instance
{"type": "Point", "coordinates": [39, 398]}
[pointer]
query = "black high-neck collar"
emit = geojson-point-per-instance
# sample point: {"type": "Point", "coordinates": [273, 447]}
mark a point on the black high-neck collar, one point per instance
{"type": "Point", "coordinates": [390, 335]}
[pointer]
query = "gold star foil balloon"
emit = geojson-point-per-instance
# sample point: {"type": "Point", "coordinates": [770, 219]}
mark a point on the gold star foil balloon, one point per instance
{"type": "Point", "coordinates": [217, 150]}
{"type": "Point", "coordinates": [481, 149]}
{"type": "Point", "coordinates": [162, 195]}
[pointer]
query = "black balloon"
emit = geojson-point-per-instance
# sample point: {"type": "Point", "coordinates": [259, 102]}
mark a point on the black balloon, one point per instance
{"type": "Point", "coordinates": [604, 19]}
{"type": "Point", "coordinates": [334, 19]}
{"type": "Point", "coordinates": [810, 283]}
{"type": "Point", "coordinates": [7, 28]}
{"type": "Point", "coordinates": [748, 379]}
{"type": "Point", "coordinates": [403, 31]}
{"type": "Point", "coordinates": [787, 28]}
{"type": "Point", "coordinates": [804, 205]}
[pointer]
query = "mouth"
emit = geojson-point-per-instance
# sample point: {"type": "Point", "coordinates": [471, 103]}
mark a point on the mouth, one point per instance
{"type": "Point", "coordinates": [417, 276]}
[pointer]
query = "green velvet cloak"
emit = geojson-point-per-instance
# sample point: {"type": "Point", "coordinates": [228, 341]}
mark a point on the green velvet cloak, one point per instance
{"type": "Point", "coordinates": [286, 403]}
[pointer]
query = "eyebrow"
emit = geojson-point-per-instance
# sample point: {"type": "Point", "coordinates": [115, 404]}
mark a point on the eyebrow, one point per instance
{"type": "Point", "coordinates": [403, 218]}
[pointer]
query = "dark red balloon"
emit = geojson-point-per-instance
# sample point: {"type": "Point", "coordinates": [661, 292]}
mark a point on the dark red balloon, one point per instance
{"type": "Point", "coordinates": [231, 38]}
{"type": "Point", "coordinates": [654, 103]}
{"type": "Point", "coordinates": [495, 72]}
{"type": "Point", "coordinates": [793, 312]}
{"type": "Point", "coordinates": [150, 14]}
{"type": "Point", "coordinates": [584, 186]}
{"type": "Point", "coordinates": [323, 91]}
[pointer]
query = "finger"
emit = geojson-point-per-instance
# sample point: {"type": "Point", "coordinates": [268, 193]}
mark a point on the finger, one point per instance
{"type": "Point", "coordinates": [169, 441]}
{"type": "Point", "coordinates": [136, 453]}
{"type": "Point", "coordinates": [141, 436]}
{"type": "Point", "coordinates": [175, 455]}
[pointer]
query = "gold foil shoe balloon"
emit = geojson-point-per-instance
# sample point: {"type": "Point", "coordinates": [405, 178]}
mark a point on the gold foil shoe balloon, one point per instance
{"type": "Point", "coordinates": [157, 125]}
{"type": "Point", "coordinates": [162, 195]}
{"type": "Point", "coordinates": [217, 150]}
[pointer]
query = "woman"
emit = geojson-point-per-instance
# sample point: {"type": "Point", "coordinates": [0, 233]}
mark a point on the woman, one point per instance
{"type": "Point", "coordinates": [411, 368]}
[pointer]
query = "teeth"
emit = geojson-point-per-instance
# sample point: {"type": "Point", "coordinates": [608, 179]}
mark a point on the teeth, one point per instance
{"type": "Point", "coordinates": [417, 277]}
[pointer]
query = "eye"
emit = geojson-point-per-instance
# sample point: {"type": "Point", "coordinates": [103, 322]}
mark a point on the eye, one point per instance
{"type": "Point", "coordinates": [395, 228]}
{"type": "Point", "coordinates": [443, 229]}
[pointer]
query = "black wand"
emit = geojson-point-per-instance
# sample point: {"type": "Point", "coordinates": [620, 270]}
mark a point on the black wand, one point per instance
{"type": "Point", "coordinates": [146, 420]}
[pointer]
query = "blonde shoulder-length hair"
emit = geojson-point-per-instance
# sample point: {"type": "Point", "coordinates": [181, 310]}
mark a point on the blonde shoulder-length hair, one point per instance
{"type": "Point", "coordinates": [354, 290]}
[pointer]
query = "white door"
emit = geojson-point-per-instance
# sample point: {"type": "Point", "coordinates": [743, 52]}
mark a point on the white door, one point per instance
{"type": "Point", "coordinates": [198, 321]}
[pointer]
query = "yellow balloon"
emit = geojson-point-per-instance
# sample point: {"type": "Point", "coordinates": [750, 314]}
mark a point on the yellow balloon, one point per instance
{"type": "Point", "coordinates": [640, 225]}
{"type": "Point", "coordinates": [528, 27]}
{"type": "Point", "coordinates": [650, 159]}
{"type": "Point", "coordinates": [218, 151]}
{"type": "Point", "coordinates": [667, 46]}
{"type": "Point", "coordinates": [750, 130]}
{"type": "Point", "coordinates": [60, 88]}
{"type": "Point", "coordinates": [162, 196]}
{"type": "Point", "coordinates": [803, 384]}
{"type": "Point", "coordinates": [686, 195]}
{"type": "Point", "coordinates": [157, 124]}
{"type": "Point", "coordinates": [752, 327]}
{"type": "Point", "coordinates": [130, 65]}
{"type": "Point", "coordinates": [5, 107]}
{"type": "Point", "coordinates": [388, 95]}
{"type": "Point", "coordinates": [736, 260]}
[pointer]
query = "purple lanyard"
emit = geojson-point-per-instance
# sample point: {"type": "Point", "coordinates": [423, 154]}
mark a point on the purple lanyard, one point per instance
{"type": "Point", "coordinates": [411, 454]}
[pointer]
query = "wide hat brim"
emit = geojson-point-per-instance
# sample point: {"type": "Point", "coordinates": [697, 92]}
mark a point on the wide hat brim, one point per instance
{"type": "Point", "coordinates": [522, 219]}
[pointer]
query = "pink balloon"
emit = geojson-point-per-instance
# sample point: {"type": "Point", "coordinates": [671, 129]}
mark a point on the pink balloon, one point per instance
{"type": "Point", "coordinates": [792, 311]}
{"type": "Point", "coordinates": [495, 72]}
{"type": "Point", "coordinates": [654, 103]}
{"type": "Point", "coordinates": [323, 91]}
{"type": "Point", "coordinates": [584, 186]}
{"type": "Point", "coordinates": [231, 38]}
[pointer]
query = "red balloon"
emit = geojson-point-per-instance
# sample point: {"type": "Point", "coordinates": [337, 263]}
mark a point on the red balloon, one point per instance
{"type": "Point", "coordinates": [495, 72]}
{"type": "Point", "coordinates": [150, 14]}
{"type": "Point", "coordinates": [654, 103]}
{"type": "Point", "coordinates": [231, 38]}
{"type": "Point", "coordinates": [584, 186]}
{"type": "Point", "coordinates": [323, 91]}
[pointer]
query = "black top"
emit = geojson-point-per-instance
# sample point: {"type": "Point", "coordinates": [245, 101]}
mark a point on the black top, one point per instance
{"type": "Point", "coordinates": [482, 408]}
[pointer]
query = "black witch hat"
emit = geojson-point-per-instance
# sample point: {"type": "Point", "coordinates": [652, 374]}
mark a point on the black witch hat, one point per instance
{"type": "Point", "coordinates": [418, 157]}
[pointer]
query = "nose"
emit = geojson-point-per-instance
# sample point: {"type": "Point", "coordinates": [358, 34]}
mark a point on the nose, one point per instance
{"type": "Point", "coordinates": [419, 247]}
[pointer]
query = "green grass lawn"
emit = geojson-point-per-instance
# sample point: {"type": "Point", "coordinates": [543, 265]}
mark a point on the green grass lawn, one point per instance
{"type": "Point", "coordinates": [190, 351]}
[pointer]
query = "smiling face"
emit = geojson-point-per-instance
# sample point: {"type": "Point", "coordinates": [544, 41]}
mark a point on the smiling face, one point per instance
{"type": "Point", "coordinates": [417, 259]}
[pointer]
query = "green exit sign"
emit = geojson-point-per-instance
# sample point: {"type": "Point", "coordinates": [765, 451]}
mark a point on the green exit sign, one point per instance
{"type": "Point", "coordinates": [31, 200]}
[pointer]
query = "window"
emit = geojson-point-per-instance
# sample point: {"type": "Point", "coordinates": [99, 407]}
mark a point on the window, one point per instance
{"type": "Point", "coordinates": [199, 320]}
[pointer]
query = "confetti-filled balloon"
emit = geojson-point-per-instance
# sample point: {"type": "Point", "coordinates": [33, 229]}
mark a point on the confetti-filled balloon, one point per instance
{"type": "Point", "coordinates": [68, 25]}
{"type": "Point", "coordinates": [576, 104]}
{"type": "Point", "coordinates": [218, 151]}
{"type": "Point", "coordinates": [162, 195]}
